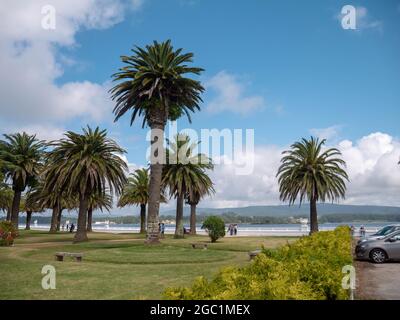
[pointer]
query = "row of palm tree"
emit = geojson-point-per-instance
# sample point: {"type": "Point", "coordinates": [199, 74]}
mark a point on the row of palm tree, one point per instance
{"type": "Point", "coordinates": [185, 179]}
{"type": "Point", "coordinates": [82, 171]}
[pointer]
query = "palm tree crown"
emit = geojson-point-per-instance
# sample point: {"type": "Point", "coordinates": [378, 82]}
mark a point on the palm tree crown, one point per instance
{"type": "Point", "coordinates": [136, 191]}
{"type": "Point", "coordinates": [154, 78]}
{"type": "Point", "coordinates": [21, 154]}
{"type": "Point", "coordinates": [309, 172]}
{"type": "Point", "coordinates": [86, 163]}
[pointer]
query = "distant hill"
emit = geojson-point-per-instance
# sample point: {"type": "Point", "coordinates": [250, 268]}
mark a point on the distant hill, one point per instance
{"type": "Point", "coordinates": [286, 211]}
{"type": "Point", "coordinates": [267, 211]}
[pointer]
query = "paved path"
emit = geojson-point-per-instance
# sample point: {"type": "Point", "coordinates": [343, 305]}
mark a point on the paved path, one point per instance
{"type": "Point", "coordinates": [378, 281]}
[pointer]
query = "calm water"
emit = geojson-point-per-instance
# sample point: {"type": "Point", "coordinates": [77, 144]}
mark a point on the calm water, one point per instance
{"type": "Point", "coordinates": [243, 229]}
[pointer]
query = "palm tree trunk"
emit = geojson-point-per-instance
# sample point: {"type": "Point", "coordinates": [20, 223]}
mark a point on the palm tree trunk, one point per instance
{"type": "Point", "coordinates": [15, 208]}
{"type": "Point", "coordinates": [8, 218]}
{"type": "Point", "coordinates": [313, 216]}
{"type": "Point", "coordinates": [179, 218]}
{"type": "Point", "coordinates": [142, 218]}
{"type": "Point", "coordinates": [193, 219]}
{"type": "Point", "coordinates": [157, 139]}
{"type": "Point", "coordinates": [54, 217]}
{"type": "Point", "coordinates": [81, 234]}
{"type": "Point", "coordinates": [59, 217]}
{"type": "Point", "coordinates": [28, 220]}
{"type": "Point", "coordinates": [89, 220]}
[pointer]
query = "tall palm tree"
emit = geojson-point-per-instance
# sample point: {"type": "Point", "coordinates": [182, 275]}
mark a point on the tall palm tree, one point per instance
{"type": "Point", "coordinates": [184, 174]}
{"type": "Point", "coordinates": [154, 84]}
{"type": "Point", "coordinates": [85, 164]}
{"type": "Point", "coordinates": [98, 201]}
{"type": "Point", "coordinates": [22, 156]}
{"type": "Point", "coordinates": [308, 171]}
{"type": "Point", "coordinates": [136, 192]}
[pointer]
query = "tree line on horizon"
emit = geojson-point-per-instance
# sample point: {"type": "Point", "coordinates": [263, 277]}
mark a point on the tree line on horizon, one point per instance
{"type": "Point", "coordinates": [84, 170]}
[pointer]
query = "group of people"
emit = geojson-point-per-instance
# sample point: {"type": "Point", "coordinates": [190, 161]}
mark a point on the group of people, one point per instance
{"type": "Point", "coordinates": [69, 228]}
{"type": "Point", "coordinates": [362, 231]}
{"type": "Point", "coordinates": [233, 229]}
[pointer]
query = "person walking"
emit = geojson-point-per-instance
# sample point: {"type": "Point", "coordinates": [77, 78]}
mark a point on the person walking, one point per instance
{"type": "Point", "coordinates": [362, 231]}
{"type": "Point", "coordinates": [162, 229]}
{"type": "Point", "coordinates": [72, 228]}
{"type": "Point", "coordinates": [235, 229]}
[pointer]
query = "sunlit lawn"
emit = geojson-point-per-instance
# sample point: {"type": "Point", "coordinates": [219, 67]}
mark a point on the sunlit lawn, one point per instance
{"type": "Point", "coordinates": [116, 266]}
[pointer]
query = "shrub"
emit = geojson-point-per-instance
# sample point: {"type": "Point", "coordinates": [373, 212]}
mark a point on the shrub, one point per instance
{"type": "Point", "coordinates": [7, 233]}
{"type": "Point", "coordinates": [308, 269]}
{"type": "Point", "coordinates": [215, 227]}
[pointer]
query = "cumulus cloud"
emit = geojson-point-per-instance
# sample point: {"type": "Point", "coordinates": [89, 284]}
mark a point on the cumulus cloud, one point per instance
{"type": "Point", "coordinates": [371, 165]}
{"type": "Point", "coordinates": [31, 62]}
{"type": "Point", "coordinates": [230, 95]}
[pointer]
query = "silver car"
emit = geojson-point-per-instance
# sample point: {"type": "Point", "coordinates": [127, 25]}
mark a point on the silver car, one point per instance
{"type": "Point", "coordinates": [380, 250]}
{"type": "Point", "coordinates": [380, 234]}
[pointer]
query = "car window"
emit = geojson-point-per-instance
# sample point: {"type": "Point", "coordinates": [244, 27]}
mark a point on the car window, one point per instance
{"type": "Point", "coordinates": [384, 231]}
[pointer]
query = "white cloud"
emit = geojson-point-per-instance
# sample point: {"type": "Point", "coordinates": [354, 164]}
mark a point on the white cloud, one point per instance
{"type": "Point", "coordinates": [328, 133]}
{"type": "Point", "coordinates": [230, 95]}
{"type": "Point", "coordinates": [31, 62]}
{"type": "Point", "coordinates": [365, 21]}
{"type": "Point", "coordinates": [371, 165]}
{"type": "Point", "coordinates": [42, 132]}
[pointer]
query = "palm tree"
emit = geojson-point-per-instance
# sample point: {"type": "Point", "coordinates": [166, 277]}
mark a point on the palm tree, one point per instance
{"type": "Point", "coordinates": [202, 187]}
{"type": "Point", "coordinates": [307, 171]}
{"type": "Point", "coordinates": [85, 164]}
{"type": "Point", "coordinates": [153, 84]}
{"type": "Point", "coordinates": [97, 201]}
{"type": "Point", "coordinates": [184, 174]}
{"type": "Point", "coordinates": [6, 198]}
{"type": "Point", "coordinates": [22, 156]}
{"type": "Point", "coordinates": [31, 203]}
{"type": "Point", "coordinates": [136, 192]}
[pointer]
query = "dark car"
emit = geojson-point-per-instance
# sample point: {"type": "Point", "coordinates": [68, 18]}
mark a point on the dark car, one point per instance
{"type": "Point", "coordinates": [380, 250]}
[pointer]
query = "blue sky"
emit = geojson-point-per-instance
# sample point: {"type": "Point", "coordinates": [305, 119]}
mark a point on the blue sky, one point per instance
{"type": "Point", "coordinates": [286, 69]}
{"type": "Point", "coordinates": [310, 72]}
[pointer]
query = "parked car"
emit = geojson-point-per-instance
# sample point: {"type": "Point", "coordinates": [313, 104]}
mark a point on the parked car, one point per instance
{"type": "Point", "coordinates": [380, 250]}
{"type": "Point", "coordinates": [382, 232]}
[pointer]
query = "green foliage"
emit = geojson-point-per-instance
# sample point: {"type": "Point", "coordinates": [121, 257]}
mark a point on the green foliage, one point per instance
{"type": "Point", "coordinates": [153, 83]}
{"type": "Point", "coordinates": [308, 171]}
{"type": "Point", "coordinates": [184, 174]}
{"type": "Point", "coordinates": [309, 269]}
{"type": "Point", "coordinates": [86, 164]}
{"type": "Point", "coordinates": [7, 233]}
{"type": "Point", "coordinates": [21, 157]}
{"type": "Point", "coordinates": [215, 227]}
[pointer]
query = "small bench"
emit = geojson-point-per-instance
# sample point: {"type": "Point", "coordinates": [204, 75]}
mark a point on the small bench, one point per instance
{"type": "Point", "coordinates": [77, 256]}
{"type": "Point", "coordinates": [199, 245]}
{"type": "Point", "coordinates": [253, 254]}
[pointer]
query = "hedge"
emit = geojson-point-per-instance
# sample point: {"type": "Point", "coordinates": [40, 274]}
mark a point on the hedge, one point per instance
{"type": "Point", "coordinates": [308, 269]}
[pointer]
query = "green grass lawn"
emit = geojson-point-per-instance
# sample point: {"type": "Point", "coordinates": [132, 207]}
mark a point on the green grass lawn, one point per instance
{"type": "Point", "coordinates": [116, 266]}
